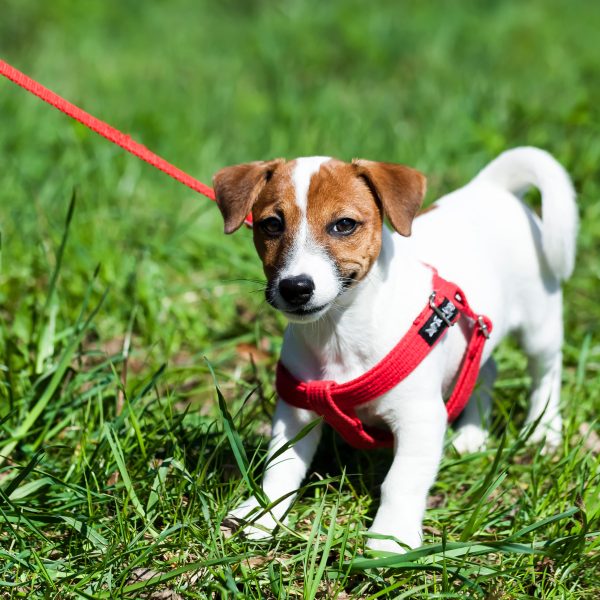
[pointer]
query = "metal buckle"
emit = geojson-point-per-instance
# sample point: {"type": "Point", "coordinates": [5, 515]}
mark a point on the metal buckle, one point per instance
{"type": "Point", "coordinates": [437, 311]}
{"type": "Point", "coordinates": [483, 327]}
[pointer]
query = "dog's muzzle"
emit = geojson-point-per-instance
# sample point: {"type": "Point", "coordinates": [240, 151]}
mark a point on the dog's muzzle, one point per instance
{"type": "Point", "coordinates": [297, 291]}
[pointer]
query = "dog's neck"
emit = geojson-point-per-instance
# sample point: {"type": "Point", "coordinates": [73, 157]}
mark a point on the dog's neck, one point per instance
{"type": "Point", "coordinates": [358, 330]}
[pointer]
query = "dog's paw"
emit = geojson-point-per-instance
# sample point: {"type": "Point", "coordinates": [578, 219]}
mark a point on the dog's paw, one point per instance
{"type": "Point", "coordinates": [385, 546]}
{"type": "Point", "coordinates": [260, 529]}
{"type": "Point", "coordinates": [470, 438]}
{"type": "Point", "coordinates": [550, 436]}
{"type": "Point", "coordinates": [245, 517]}
{"type": "Point", "coordinates": [245, 510]}
{"type": "Point", "coordinates": [405, 541]}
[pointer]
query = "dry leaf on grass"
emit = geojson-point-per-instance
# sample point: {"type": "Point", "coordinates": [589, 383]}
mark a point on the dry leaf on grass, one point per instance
{"type": "Point", "coordinates": [255, 353]}
{"type": "Point", "coordinates": [591, 439]}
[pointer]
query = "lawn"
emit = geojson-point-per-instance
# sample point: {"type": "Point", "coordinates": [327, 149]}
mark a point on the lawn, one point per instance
{"type": "Point", "coordinates": [136, 349]}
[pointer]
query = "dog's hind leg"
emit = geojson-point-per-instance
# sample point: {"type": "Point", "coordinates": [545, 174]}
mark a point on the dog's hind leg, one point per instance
{"type": "Point", "coordinates": [473, 425]}
{"type": "Point", "coordinates": [543, 346]}
{"type": "Point", "coordinates": [544, 407]}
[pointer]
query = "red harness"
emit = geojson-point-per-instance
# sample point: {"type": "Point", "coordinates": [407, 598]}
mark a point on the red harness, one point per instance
{"type": "Point", "coordinates": [336, 403]}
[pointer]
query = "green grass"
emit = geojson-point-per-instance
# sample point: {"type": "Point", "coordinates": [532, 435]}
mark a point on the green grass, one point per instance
{"type": "Point", "coordinates": [118, 462]}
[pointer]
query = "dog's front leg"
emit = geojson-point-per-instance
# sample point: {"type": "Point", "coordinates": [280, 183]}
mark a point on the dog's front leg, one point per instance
{"type": "Point", "coordinates": [418, 428]}
{"type": "Point", "coordinates": [283, 474]}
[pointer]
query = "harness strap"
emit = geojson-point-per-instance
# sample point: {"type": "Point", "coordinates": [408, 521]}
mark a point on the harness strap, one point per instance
{"type": "Point", "coordinates": [336, 402]}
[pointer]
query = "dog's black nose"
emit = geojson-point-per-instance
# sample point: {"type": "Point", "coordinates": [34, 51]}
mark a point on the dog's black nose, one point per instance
{"type": "Point", "coordinates": [297, 290]}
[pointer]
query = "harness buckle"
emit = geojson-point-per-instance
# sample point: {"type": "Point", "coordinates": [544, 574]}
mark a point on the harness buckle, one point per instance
{"type": "Point", "coordinates": [483, 327]}
{"type": "Point", "coordinates": [437, 311]}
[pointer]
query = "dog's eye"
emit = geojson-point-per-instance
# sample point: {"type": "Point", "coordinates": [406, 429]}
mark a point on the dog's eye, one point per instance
{"type": "Point", "coordinates": [272, 226]}
{"type": "Point", "coordinates": [343, 227]}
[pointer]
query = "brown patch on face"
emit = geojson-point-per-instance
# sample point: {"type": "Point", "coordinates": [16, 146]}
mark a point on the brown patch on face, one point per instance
{"type": "Point", "coordinates": [335, 193]}
{"type": "Point", "coordinates": [399, 189]}
{"type": "Point", "coordinates": [277, 199]}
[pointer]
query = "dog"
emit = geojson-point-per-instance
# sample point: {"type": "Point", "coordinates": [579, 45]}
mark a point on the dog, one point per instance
{"type": "Point", "coordinates": [350, 289]}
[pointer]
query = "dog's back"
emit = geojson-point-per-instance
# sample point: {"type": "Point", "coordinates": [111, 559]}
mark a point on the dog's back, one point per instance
{"type": "Point", "coordinates": [508, 260]}
{"type": "Point", "coordinates": [510, 263]}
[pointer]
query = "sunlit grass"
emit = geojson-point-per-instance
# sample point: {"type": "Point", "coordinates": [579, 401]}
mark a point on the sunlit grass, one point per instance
{"type": "Point", "coordinates": [137, 352]}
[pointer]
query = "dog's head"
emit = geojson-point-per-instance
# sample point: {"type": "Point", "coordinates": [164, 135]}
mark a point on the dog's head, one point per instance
{"type": "Point", "coordinates": [317, 222]}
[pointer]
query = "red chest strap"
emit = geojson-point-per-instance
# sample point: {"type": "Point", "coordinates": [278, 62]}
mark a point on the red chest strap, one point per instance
{"type": "Point", "coordinates": [336, 402]}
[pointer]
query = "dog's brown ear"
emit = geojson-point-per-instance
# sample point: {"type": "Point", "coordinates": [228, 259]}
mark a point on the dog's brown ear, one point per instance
{"type": "Point", "coordinates": [238, 187]}
{"type": "Point", "coordinates": [400, 190]}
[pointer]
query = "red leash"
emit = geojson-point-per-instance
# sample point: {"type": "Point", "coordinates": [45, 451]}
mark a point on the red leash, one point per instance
{"type": "Point", "coordinates": [105, 130]}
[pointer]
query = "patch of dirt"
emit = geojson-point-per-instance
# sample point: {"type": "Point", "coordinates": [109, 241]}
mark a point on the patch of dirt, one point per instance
{"type": "Point", "coordinates": [143, 574]}
{"type": "Point", "coordinates": [436, 500]}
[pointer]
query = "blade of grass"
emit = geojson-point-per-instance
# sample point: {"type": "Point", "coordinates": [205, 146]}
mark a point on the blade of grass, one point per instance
{"type": "Point", "coordinates": [23, 472]}
{"type": "Point", "coordinates": [237, 446]}
{"type": "Point", "coordinates": [96, 539]}
{"type": "Point", "coordinates": [53, 385]}
{"type": "Point", "coordinates": [117, 452]}
{"type": "Point", "coordinates": [45, 344]}
{"type": "Point", "coordinates": [318, 576]}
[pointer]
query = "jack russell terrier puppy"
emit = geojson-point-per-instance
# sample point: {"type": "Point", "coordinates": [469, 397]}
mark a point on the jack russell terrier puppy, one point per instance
{"type": "Point", "coordinates": [354, 292]}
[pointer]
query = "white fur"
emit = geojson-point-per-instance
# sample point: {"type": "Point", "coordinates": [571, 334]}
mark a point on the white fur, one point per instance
{"type": "Point", "coordinates": [305, 256]}
{"type": "Point", "coordinates": [519, 169]}
{"type": "Point", "coordinates": [305, 168]}
{"type": "Point", "coordinates": [508, 262]}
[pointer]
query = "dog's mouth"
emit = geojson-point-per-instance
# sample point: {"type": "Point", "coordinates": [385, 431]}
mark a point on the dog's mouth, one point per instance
{"type": "Point", "coordinates": [302, 312]}
{"type": "Point", "coordinates": [303, 315]}
{"type": "Point", "coordinates": [306, 312]}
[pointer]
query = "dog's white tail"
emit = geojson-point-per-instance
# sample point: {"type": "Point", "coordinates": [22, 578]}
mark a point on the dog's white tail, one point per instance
{"type": "Point", "coordinates": [517, 170]}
